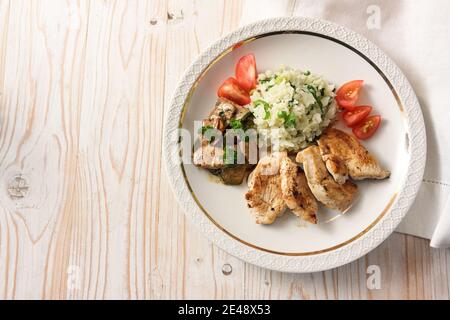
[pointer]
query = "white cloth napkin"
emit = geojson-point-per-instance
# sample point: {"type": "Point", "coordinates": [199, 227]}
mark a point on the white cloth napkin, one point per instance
{"type": "Point", "coordinates": [416, 35]}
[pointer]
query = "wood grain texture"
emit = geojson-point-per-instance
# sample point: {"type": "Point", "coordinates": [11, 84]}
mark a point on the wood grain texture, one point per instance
{"type": "Point", "coordinates": [83, 88]}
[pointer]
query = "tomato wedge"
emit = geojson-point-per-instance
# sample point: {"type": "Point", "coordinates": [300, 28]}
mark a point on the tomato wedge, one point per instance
{"type": "Point", "coordinates": [367, 127]}
{"type": "Point", "coordinates": [358, 114]}
{"type": "Point", "coordinates": [231, 90]}
{"type": "Point", "coordinates": [246, 72]}
{"type": "Point", "coordinates": [348, 94]}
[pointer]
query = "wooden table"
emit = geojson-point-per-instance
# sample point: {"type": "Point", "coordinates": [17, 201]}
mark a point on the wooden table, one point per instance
{"type": "Point", "coordinates": [85, 207]}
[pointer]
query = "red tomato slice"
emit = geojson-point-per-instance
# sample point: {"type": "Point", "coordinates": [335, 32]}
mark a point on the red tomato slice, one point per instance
{"type": "Point", "coordinates": [358, 114]}
{"type": "Point", "coordinates": [367, 127]}
{"type": "Point", "coordinates": [348, 94]}
{"type": "Point", "coordinates": [246, 72]}
{"type": "Point", "coordinates": [231, 90]}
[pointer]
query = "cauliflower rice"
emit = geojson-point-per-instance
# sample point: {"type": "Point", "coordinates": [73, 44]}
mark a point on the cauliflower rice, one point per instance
{"type": "Point", "coordinates": [292, 107]}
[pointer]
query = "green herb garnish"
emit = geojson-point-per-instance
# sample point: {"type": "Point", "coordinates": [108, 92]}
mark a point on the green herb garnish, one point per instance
{"type": "Point", "coordinates": [282, 114]}
{"type": "Point", "coordinates": [278, 79]}
{"type": "Point", "coordinates": [307, 73]}
{"type": "Point", "coordinates": [289, 118]}
{"type": "Point", "coordinates": [227, 154]}
{"type": "Point", "coordinates": [206, 128]}
{"type": "Point", "coordinates": [236, 124]}
{"type": "Point", "coordinates": [313, 91]}
{"type": "Point", "coordinates": [290, 121]}
{"type": "Point", "coordinates": [266, 108]}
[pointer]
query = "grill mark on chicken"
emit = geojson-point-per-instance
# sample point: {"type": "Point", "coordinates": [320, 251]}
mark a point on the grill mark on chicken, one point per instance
{"type": "Point", "coordinates": [296, 193]}
{"type": "Point", "coordinates": [345, 157]}
{"type": "Point", "coordinates": [264, 197]}
{"type": "Point", "coordinates": [323, 186]}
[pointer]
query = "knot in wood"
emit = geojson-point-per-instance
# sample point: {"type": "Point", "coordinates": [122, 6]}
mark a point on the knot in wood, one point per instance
{"type": "Point", "coordinates": [18, 188]}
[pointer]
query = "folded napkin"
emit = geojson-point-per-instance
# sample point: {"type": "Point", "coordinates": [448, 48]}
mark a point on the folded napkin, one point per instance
{"type": "Point", "coordinates": [415, 34]}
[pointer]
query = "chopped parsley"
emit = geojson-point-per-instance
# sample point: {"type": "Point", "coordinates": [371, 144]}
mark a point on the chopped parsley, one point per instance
{"type": "Point", "coordinates": [289, 118]}
{"type": "Point", "coordinates": [278, 79]}
{"type": "Point", "coordinates": [313, 91]}
{"type": "Point", "coordinates": [282, 114]}
{"type": "Point", "coordinates": [266, 108]}
{"type": "Point", "coordinates": [290, 121]}
{"type": "Point", "coordinates": [227, 154]}
{"type": "Point", "coordinates": [205, 128]}
{"type": "Point", "coordinates": [236, 124]}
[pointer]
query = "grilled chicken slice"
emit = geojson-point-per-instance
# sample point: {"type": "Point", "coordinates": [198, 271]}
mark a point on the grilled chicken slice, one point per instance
{"type": "Point", "coordinates": [208, 156]}
{"type": "Point", "coordinates": [344, 156]}
{"type": "Point", "coordinates": [296, 192]}
{"type": "Point", "coordinates": [324, 188]}
{"type": "Point", "coordinates": [264, 197]}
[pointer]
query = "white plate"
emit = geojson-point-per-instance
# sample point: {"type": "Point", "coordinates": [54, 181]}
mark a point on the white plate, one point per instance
{"type": "Point", "coordinates": [340, 55]}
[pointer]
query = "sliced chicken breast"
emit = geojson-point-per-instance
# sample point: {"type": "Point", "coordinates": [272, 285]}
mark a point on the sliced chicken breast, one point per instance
{"type": "Point", "coordinates": [345, 156]}
{"type": "Point", "coordinates": [264, 197]}
{"type": "Point", "coordinates": [324, 188]}
{"type": "Point", "coordinates": [296, 192]}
